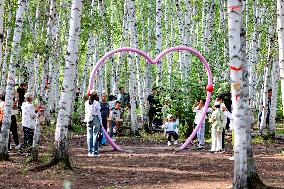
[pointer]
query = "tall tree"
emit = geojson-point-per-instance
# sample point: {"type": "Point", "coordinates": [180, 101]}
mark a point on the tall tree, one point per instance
{"type": "Point", "coordinates": [239, 91]}
{"type": "Point", "coordinates": [68, 87]}
{"type": "Point", "coordinates": [14, 58]}
{"type": "Point", "coordinates": [280, 29]}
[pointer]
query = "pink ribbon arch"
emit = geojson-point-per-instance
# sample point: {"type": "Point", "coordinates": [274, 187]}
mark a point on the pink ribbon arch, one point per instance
{"type": "Point", "coordinates": [157, 59]}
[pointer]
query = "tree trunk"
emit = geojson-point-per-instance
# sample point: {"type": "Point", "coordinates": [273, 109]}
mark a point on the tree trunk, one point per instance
{"type": "Point", "coordinates": [239, 92]}
{"type": "Point", "coordinates": [5, 129]}
{"type": "Point", "coordinates": [132, 69]}
{"type": "Point", "coordinates": [159, 38]}
{"type": "Point", "coordinates": [6, 53]}
{"type": "Point", "coordinates": [61, 140]}
{"type": "Point", "coordinates": [280, 29]}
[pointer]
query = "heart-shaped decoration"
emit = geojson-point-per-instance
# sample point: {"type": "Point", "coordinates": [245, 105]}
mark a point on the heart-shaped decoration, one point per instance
{"type": "Point", "coordinates": [209, 87]}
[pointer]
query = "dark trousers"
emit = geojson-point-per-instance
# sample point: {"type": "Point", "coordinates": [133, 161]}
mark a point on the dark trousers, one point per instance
{"type": "Point", "coordinates": [171, 134]}
{"type": "Point", "coordinates": [28, 139]}
{"type": "Point", "coordinates": [223, 139]}
{"type": "Point", "coordinates": [14, 130]}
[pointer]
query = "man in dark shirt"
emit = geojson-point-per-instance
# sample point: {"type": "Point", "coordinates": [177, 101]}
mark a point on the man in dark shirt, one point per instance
{"type": "Point", "coordinates": [21, 91]}
{"type": "Point", "coordinates": [155, 109]}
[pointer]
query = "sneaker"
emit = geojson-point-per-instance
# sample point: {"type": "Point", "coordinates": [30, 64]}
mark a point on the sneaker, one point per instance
{"type": "Point", "coordinates": [200, 147]}
{"type": "Point", "coordinates": [90, 155]}
{"type": "Point", "coordinates": [169, 143]}
{"type": "Point", "coordinates": [175, 142]}
{"type": "Point", "coordinates": [96, 154]}
{"type": "Point", "coordinates": [17, 147]}
{"type": "Point", "coordinates": [232, 158]}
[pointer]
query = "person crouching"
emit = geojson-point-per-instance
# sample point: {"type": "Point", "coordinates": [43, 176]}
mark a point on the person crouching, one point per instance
{"type": "Point", "coordinates": [170, 128]}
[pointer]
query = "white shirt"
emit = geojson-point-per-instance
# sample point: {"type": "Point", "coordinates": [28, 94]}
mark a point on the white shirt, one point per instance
{"type": "Point", "coordinates": [230, 116]}
{"type": "Point", "coordinates": [198, 115]}
{"type": "Point", "coordinates": [92, 110]}
{"type": "Point", "coordinates": [28, 115]}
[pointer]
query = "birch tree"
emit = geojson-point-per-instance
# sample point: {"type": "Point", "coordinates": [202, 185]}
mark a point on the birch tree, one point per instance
{"type": "Point", "coordinates": [60, 152]}
{"type": "Point", "coordinates": [239, 91]}
{"type": "Point", "coordinates": [280, 30]}
{"type": "Point", "coordinates": [15, 50]}
{"type": "Point", "coordinates": [6, 53]}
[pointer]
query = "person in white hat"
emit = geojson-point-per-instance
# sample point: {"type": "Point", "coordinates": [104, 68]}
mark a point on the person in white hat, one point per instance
{"type": "Point", "coordinates": [170, 128]}
{"type": "Point", "coordinates": [94, 122]}
{"type": "Point", "coordinates": [216, 119]}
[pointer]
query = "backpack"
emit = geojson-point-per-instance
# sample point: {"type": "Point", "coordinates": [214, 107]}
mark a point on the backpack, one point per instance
{"type": "Point", "coordinates": [1, 112]}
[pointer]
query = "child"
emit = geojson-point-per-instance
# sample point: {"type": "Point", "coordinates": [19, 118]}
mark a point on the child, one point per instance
{"type": "Point", "coordinates": [171, 128]}
{"type": "Point", "coordinates": [216, 119]}
{"type": "Point", "coordinates": [28, 123]}
{"type": "Point", "coordinates": [114, 119]}
{"type": "Point", "coordinates": [94, 122]}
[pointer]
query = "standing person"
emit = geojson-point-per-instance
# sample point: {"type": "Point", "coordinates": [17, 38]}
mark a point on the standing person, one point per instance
{"type": "Point", "coordinates": [28, 123]}
{"type": "Point", "coordinates": [14, 126]}
{"type": "Point", "coordinates": [93, 119]}
{"type": "Point", "coordinates": [220, 99]}
{"type": "Point", "coordinates": [170, 129]}
{"type": "Point", "coordinates": [21, 91]}
{"type": "Point", "coordinates": [198, 109]}
{"type": "Point", "coordinates": [114, 120]}
{"type": "Point", "coordinates": [155, 109]}
{"type": "Point", "coordinates": [105, 114]}
{"type": "Point", "coordinates": [216, 119]}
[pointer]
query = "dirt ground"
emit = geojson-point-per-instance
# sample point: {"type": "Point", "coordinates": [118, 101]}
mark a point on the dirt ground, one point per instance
{"type": "Point", "coordinates": [143, 165]}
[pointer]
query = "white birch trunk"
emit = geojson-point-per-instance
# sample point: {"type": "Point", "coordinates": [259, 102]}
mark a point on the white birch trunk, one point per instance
{"type": "Point", "coordinates": [90, 52]}
{"type": "Point", "coordinates": [7, 49]}
{"type": "Point", "coordinates": [11, 79]}
{"type": "Point", "coordinates": [187, 60]}
{"type": "Point", "coordinates": [239, 92]}
{"type": "Point", "coordinates": [265, 90]}
{"type": "Point", "coordinates": [68, 86]}
{"type": "Point", "coordinates": [280, 29]}
{"type": "Point", "coordinates": [132, 69]}
{"type": "Point", "coordinates": [273, 107]}
{"type": "Point", "coordinates": [158, 38]}
{"type": "Point", "coordinates": [147, 72]}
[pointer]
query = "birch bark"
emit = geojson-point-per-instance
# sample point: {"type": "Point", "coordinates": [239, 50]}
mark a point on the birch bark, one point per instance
{"type": "Point", "coordinates": [7, 49]}
{"type": "Point", "coordinates": [11, 80]}
{"type": "Point", "coordinates": [158, 38]}
{"type": "Point", "coordinates": [280, 29]}
{"type": "Point", "coordinates": [239, 89]}
{"type": "Point", "coordinates": [61, 140]}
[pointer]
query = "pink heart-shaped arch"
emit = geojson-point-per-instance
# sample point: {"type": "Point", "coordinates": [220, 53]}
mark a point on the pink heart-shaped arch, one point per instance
{"type": "Point", "coordinates": [157, 59]}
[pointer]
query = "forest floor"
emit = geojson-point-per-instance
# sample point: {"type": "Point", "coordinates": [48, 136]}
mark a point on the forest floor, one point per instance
{"type": "Point", "coordinates": [143, 164]}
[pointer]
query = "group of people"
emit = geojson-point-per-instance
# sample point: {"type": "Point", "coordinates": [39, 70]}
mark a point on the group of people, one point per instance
{"type": "Point", "coordinates": [104, 114]}
{"type": "Point", "coordinates": [22, 106]}
{"type": "Point", "coordinates": [220, 119]}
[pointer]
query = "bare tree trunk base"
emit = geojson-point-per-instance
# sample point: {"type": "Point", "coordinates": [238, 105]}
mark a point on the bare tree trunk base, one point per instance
{"type": "Point", "coordinates": [254, 182]}
{"type": "Point", "coordinates": [34, 155]}
{"type": "Point", "coordinates": [4, 157]}
{"type": "Point", "coordinates": [62, 164]}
